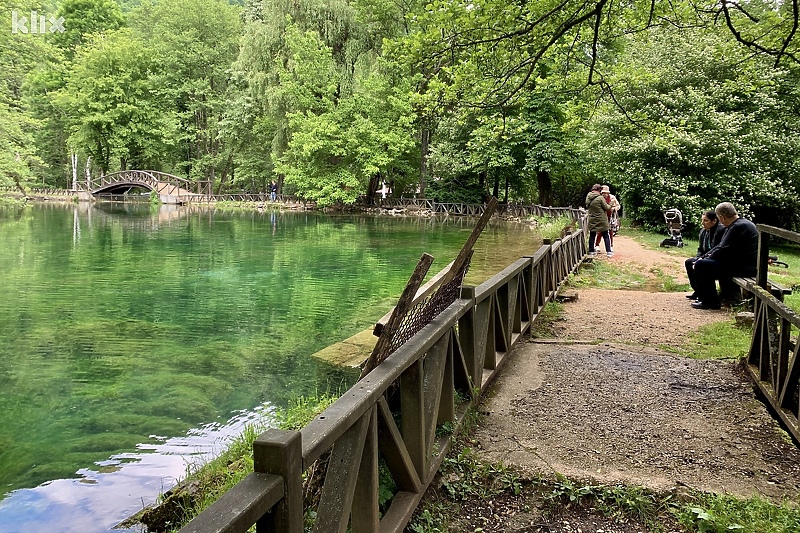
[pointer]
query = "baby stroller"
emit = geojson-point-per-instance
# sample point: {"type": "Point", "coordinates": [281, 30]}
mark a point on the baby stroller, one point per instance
{"type": "Point", "coordinates": [674, 220]}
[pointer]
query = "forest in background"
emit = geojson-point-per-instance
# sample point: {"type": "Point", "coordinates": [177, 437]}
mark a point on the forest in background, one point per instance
{"type": "Point", "coordinates": [673, 104]}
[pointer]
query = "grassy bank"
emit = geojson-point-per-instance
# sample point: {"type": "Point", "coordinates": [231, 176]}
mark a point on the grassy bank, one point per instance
{"type": "Point", "coordinates": [206, 483]}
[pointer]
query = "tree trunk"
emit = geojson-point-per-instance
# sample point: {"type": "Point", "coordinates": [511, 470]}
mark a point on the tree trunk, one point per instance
{"type": "Point", "coordinates": [372, 188]}
{"type": "Point", "coordinates": [88, 172]}
{"type": "Point", "coordinates": [545, 187]}
{"type": "Point", "coordinates": [74, 160]}
{"type": "Point", "coordinates": [423, 160]}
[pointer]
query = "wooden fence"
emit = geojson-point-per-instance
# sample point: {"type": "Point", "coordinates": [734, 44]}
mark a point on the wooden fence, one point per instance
{"type": "Point", "coordinates": [399, 417]}
{"type": "Point", "coordinates": [772, 361]}
{"type": "Point", "coordinates": [186, 192]}
{"type": "Point", "coordinates": [464, 209]}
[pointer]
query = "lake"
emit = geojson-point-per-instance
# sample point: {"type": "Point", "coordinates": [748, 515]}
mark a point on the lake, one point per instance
{"type": "Point", "coordinates": [136, 339]}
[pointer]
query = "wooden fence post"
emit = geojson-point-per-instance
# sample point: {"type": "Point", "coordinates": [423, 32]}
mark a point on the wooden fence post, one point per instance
{"type": "Point", "coordinates": [280, 452]}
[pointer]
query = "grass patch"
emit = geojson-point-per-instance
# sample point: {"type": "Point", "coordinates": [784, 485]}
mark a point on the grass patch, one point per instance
{"type": "Point", "coordinates": [601, 274]}
{"type": "Point", "coordinates": [206, 483]}
{"type": "Point", "coordinates": [719, 340]}
{"type": "Point", "coordinates": [652, 241]}
{"type": "Point", "coordinates": [711, 513]}
{"type": "Point", "coordinates": [552, 227]}
{"type": "Point", "coordinates": [542, 327]}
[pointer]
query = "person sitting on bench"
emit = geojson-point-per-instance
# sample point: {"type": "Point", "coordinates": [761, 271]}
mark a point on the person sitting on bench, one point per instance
{"type": "Point", "coordinates": [710, 236]}
{"type": "Point", "coordinates": [736, 255]}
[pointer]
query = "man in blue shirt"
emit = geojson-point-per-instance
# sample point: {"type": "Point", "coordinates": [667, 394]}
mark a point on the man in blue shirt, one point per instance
{"type": "Point", "coordinates": [736, 255]}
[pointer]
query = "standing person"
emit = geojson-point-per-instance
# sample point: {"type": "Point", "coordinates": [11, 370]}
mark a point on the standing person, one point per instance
{"type": "Point", "coordinates": [710, 236]}
{"type": "Point", "coordinates": [597, 209]}
{"type": "Point", "coordinates": [273, 191]}
{"type": "Point", "coordinates": [735, 255]}
{"type": "Point", "coordinates": [612, 215]}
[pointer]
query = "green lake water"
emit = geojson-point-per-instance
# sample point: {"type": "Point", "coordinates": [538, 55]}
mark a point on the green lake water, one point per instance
{"type": "Point", "coordinates": [135, 337]}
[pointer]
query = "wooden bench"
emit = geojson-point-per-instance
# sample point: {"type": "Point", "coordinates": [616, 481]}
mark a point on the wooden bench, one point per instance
{"type": "Point", "coordinates": [777, 290]}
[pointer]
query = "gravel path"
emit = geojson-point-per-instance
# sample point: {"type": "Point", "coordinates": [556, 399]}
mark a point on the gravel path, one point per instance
{"type": "Point", "coordinates": [625, 411]}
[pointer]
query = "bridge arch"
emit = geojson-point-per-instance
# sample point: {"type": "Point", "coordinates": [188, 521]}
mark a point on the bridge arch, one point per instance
{"type": "Point", "coordinates": [171, 189]}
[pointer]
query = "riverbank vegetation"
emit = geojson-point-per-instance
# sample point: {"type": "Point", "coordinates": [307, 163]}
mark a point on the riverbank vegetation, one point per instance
{"type": "Point", "coordinates": [206, 483]}
{"type": "Point", "coordinates": [471, 495]}
{"type": "Point", "coordinates": [673, 105]}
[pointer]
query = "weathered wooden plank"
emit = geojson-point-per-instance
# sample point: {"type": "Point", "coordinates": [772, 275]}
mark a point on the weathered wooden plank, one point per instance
{"type": "Point", "coordinates": [513, 305]}
{"type": "Point", "coordinates": [395, 453]}
{"type": "Point", "coordinates": [502, 339]}
{"type": "Point", "coordinates": [503, 308]}
{"type": "Point", "coordinates": [333, 513]}
{"type": "Point", "coordinates": [364, 514]}
{"type": "Point", "coordinates": [462, 361]}
{"type": "Point", "coordinates": [466, 251]}
{"type": "Point", "coordinates": [280, 452]}
{"type": "Point", "coordinates": [433, 374]}
{"type": "Point", "coordinates": [491, 285]}
{"type": "Point", "coordinates": [381, 349]}
{"type": "Point", "coordinates": [447, 397]}
{"type": "Point", "coordinates": [789, 389]}
{"type": "Point", "coordinates": [320, 434]}
{"type": "Point", "coordinates": [423, 292]}
{"type": "Point", "coordinates": [399, 513]}
{"type": "Point", "coordinates": [412, 413]}
{"type": "Point", "coordinates": [482, 330]}
{"type": "Point", "coordinates": [239, 508]}
{"type": "Point", "coordinates": [780, 232]}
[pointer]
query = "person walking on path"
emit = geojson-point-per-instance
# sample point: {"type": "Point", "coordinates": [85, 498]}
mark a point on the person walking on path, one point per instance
{"type": "Point", "coordinates": [735, 255]}
{"type": "Point", "coordinates": [597, 208]}
{"type": "Point", "coordinates": [710, 236]}
{"type": "Point", "coordinates": [612, 216]}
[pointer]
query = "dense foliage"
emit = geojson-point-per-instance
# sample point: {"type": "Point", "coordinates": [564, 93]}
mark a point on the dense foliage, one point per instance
{"type": "Point", "coordinates": [673, 104]}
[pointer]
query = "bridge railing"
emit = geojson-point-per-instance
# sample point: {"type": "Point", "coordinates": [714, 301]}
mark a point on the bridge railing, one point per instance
{"type": "Point", "coordinates": [400, 416]}
{"type": "Point", "coordinates": [772, 360]}
{"type": "Point", "coordinates": [160, 182]}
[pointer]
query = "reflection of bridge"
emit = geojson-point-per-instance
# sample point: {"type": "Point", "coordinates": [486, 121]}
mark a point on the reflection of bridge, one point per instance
{"type": "Point", "coordinates": [170, 189]}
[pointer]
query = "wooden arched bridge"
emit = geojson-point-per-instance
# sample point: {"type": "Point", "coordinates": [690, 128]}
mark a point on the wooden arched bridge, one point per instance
{"type": "Point", "coordinates": [170, 189]}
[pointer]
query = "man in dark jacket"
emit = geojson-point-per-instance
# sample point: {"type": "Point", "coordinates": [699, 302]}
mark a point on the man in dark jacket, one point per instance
{"type": "Point", "coordinates": [735, 255]}
{"type": "Point", "coordinates": [710, 236]}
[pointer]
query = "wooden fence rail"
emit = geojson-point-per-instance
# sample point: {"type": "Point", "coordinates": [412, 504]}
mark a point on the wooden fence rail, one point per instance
{"type": "Point", "coordinates": [772, 361]}
{"type": "Point", "coordinates": [400, 416]}
{"type": "Point", "coordinates": [188, 192]}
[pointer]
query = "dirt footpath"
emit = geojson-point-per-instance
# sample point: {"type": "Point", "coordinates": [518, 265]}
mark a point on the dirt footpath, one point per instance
{"type": "Point", "coordinates": [624, 411]}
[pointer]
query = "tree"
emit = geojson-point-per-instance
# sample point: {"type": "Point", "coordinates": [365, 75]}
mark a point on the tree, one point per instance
{"type": "Point", "coordinates": [82, 19]}
{"type": "Point", "coordinates": [341, 148]}
{"type": "Point", "coordinates": [512, 152]}
{"type": "Point", "coordinates": [693, 124]}
{"type": "Point", "coordinates": [20, 164]}
{"type": "Point", "coordinates": [193, 43]}
{"type": "Point", "coordinates": [303, 63]}
{"type": "Point", "coordinates": [118, 118]}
